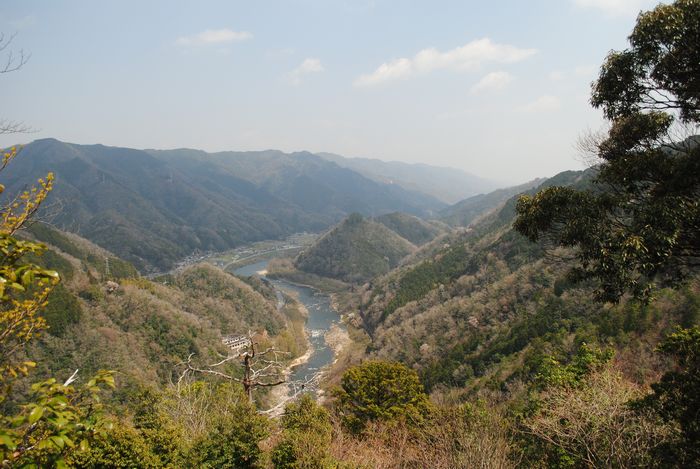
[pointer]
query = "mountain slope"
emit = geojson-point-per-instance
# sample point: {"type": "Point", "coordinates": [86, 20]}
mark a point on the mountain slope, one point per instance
{"type": "Point", "coordinates": [143, 329]}
{"type": "Point", "coordinates": [356, 250]}
{"type": "Point", "coordinates": [155, 210]}
{"type": "Point", "coordinates": [409, 227]}
{"type": "Point", "coordinates": [487, 307]}
{"type": "Point", "coordinates": [308, 181]}
{"type": "Point", "coordinates": [466, 211]}
{"type": "Point", "coordinates": [446, 184]}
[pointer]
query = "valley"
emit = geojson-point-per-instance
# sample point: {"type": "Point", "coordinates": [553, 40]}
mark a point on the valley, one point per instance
{"type": "Point", "coordinates": [214, 286]}
{"type": "Point", "coordinates": [321, 321]}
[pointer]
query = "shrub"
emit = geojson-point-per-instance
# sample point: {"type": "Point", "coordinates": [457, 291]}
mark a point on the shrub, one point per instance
{"type": "Point", "coordinates": [380, 391]}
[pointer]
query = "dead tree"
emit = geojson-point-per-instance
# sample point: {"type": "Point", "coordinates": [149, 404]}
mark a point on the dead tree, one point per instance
{"type": "Point", "coordinates": [260, 369]}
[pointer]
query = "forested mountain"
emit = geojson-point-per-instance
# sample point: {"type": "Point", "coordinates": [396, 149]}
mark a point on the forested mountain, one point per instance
{"type": "Point", "coordinates": [468, 210]}
{"type": "Point", "coordinates": [356, 250]}
{"type": "Point", "coordinates": [321, 188]}
{"type": "Point", "coordinates": [410, 227]}
{"type": "Point", "coordinates": [141, 328]}
{"type": "Point", "coordinates": [476, 299]}
{"type": "Point", "coordinates": [154, 208]}
{"type": "Point", "coordinates": [449, 185]}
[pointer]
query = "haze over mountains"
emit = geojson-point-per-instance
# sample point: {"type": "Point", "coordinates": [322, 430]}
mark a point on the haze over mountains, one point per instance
{"type": "Point", "coordinates": [155, 207]}
{"type": "Point", "coordinates": [449, 185]}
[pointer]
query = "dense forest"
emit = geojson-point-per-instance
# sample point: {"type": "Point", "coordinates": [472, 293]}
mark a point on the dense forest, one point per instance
{"type": "Point", "coordinates": [557, 324]}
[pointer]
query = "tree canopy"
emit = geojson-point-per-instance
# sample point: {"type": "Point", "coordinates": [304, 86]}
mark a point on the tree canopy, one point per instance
{"type": "Point", "coordinates": [640, 222]}
{"type": "Point", "coordinates": [379, 390]}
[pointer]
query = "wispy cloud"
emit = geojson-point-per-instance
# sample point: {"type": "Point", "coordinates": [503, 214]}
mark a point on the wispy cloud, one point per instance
{"type": "Point", "coordinates": [586, 71]}
{"type": "Point", "coordinates": [309, 65]}
{"type": "Point", "coordinates": [470, 56]}
{"type": "Point", "coordinates": [492, 82]}
{"type": "Point", "coordinates": [617, 7]}
{"type": "Point", "coordinates": [23, 23]}
{"type": "Point", "coordinates": [546, 103]}
{"type": "Point", "coordinates": [213, 36]}
{"type": "Point", "coordinates": [556, 75]}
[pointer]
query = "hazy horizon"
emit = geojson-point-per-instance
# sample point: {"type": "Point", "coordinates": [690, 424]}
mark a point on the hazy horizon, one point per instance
{"type": "Point", "coordinates": [499, 90]}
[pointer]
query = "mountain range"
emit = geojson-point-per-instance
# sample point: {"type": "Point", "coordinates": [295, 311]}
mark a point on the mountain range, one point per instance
{"type": "Point", "coordinates": [155, 207]}
{"type": "Point", "coordinates": [449, 185]}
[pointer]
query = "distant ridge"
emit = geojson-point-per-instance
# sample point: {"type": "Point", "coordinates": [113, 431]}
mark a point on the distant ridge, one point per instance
{"type": "Point", "coordinates": [449, 185]}
{"type": "Point", "coordinates": [154, 208]}
{"type": "Point", "coordinates": [466, 211]}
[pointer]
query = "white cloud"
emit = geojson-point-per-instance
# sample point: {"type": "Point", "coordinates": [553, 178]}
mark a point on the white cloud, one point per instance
{"type": "Point", "coordinates": [23, 23]}
{"type": "Point", "coordinates": [544, 103]}
{"type": "Point", "coordinates": [492, 82]}
{"type": "Point", "coordinates": [556, 75]}
{"type": "Point", "coordinates": [310, 65]}
{"type": "Point", "coordinates": [587, 71]}
{"type": "Point", "coordinates": [213, 36]}
{"type": "Point", "coordinates": [617, 7]}
{"type": "Point", "coordinates": [467, 57]}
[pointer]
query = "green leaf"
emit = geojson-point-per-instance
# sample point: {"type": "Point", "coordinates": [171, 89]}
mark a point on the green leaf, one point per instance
{"type": "Point", "coordinates": [36, 414]}
{"type": "Point", "coordinates": [68, 441]}
{"type": "Point", "coordinates": [7, 441]}
{"type": "Point", "coordinates": [58, 441]}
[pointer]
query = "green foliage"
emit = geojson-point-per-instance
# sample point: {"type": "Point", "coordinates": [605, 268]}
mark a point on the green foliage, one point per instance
{"type": "Point", "coordinates": [664, 56]}
{"type": "Point", "coordinates": [586, 360]}
{"type": "Point", "coordinates": [154, 208]}
{"type": "Point", "coordinates": [62, 310]}
{"type": "Point", "coordinates": [380, 391]}
{"type": "Point", "coordinates": [589, 423]}
{"type": "Point", "coordinates": [409, 227]}
{"type": "Point", "coordinates": [57, 422]}
{"type": "Point", "coordinates": [427, 275]}
{"type": "Point", "coordinates": [122, 446]}
{"type": "Point", "coordinates": [306, 437]}
{"type": "Point", "coordinates": [356, 250]}
{"type": "Point", "coordinates": [676, 400]}
{"type": "Point", "coordinates": [640, 225]}
{"type": "Point", "coordinates": [159, 432]}
{"type": "Point", "coordinates": [118, 268]}
{"type": "Point", "coordinates": [52, 261]}
{"type": "Point", "coordinates": [467, 211]}
{"type": "Point", "coordinates": [233, 441]}
{"type": "Point", "coordinates": [205, 284]}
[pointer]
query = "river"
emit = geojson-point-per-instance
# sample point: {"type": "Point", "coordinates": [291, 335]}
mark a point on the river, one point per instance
{"type": "Point", "coordinates": [321, 317]}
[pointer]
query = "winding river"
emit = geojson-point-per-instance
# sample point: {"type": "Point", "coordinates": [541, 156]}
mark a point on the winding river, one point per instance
{"type": "Point", "coordinates": [321, 317]}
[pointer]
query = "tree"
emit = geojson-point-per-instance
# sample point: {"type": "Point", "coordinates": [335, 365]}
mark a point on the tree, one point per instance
{"type": "Point", "coordinates": [233, 441]}
{"type": "Point", "coordinates": [306, 437]}
{"type": "Point", "coordinates": [260, 369]}
{"type": "Point", "coordinates": [59, 419]}
{"type": "Point", "coordinates": [12, 62]}
{"type": "Point", "coordinates": [590, 424]}
{"type": "Point", "coordinates": [640, 222]}
{"type": "Point", "coordinates": [380, 391]}
{"type": "Point", "coordinates": [676, 400]}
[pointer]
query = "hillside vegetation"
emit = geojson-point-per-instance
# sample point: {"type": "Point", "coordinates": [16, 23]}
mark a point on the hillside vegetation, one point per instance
{"type": "Point", "coordinates": [560, 329]}
{"type": "Point", "coordinates": [356, 250]}
{"type": "Point", "coordinates": [154, 208]}
{"type": "Point", "coordinates": [144, 328]}
{"type": "Point", "coordinates": [466, 211]}
{"type": "Point", "coordinates": [410, 227]}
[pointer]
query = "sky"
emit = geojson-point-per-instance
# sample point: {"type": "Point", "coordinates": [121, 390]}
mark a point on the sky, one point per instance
{"type": "Point", "coordinates": [499, 89]}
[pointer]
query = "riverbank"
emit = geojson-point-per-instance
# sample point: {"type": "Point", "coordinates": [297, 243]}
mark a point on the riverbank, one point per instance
{"type": "Point", "coordinates": [338, 339]}
{"type": "Point", "coordinates": [313, 317]}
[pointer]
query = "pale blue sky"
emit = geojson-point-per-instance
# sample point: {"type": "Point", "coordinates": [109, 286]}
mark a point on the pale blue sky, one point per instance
{"type": "Point", "coordinates": [497, 88]}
